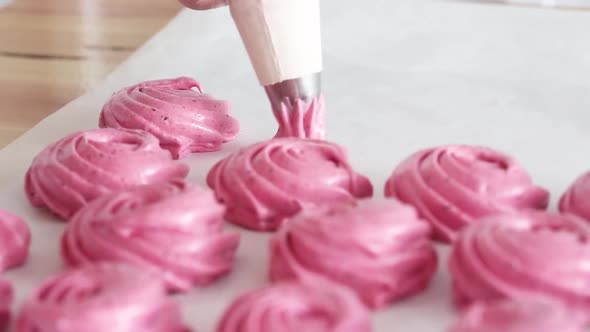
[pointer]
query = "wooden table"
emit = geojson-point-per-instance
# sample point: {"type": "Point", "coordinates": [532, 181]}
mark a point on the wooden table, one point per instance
{"type": "Point", "coordinates": [51, 51]}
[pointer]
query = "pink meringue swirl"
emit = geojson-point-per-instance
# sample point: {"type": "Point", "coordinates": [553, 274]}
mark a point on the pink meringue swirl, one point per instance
{"type": "Point", "coordinates": [379, 249]}
{"type": "Point", "coordinates": [99, 298]}
{"type": "Point", "coordinates": [296, 307]}
{"type": "Point", "coordinates": [265, 183]}
{"type": "Point", "coordinates": [175, 228]}
{"type": "Point", "coordinates": [576, 200]}
{"type": "Point", "coordinates": [82, 166]}
{"type": "Point", "coordinates": [15, 240]}
{"type": "Point", "coordinates": [519, 316]}
{"type": "Point", "coordinates": [521, 256]}
{"type": "Point", "coordinates": [453, 186]}
{"type": "Point", "coordinates": [304, 120]}
{"type": "Point", "coordinates": [6, 297]}
{"type": "Point", "coordinates": [185, 120]}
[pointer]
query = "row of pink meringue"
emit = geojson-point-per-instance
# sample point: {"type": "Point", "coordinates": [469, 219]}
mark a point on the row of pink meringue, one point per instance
{"type": "Point", "coordinates": [325, 307]}
{"type": "Point", "coordinates": [453, 188]}
{"type": "Point", "coordinates": [186, 120]}
{"type": "Point", "coordinates": [266, 184]}
{"type": "Point", "coordinates": [450, 186]}
{"type": "Point", "coordinates": [146, 126]}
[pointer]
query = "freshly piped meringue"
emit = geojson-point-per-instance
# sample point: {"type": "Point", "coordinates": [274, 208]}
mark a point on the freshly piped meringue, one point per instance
{"type": "Point", "coordinates": [303, 120]}
{"type": "Point", "coordinates": [264, 184]}
{"type": "Point", "coordinates": [521, 256]}
{"type": "Point", "coordinates": [297, 307]}
{"type": "Point", "coordinates": [175, 229]}
{"type": "Point", "coordinates": [82, 166]}
{"type": "Point", "coordinates": [176, 111]}
{"type": "Point", "coordinates": [99, 298]}
{"type": "Point", "coordinates": [576, 200]}
{"type": "Point", "coordinates": [6, 298]}
{"type": "Point", "coordinates": [381, 250]}
{"type": "Point", "coordinates": [15, 240]}
{"type": "Point", "coordinates": [455, 185]}
{"type": "Point", "coordinates": [519, 316]}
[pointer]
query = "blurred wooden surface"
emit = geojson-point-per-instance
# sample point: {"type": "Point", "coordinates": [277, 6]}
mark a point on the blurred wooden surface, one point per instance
{"type": "Point", "coordinates": [52, 50]}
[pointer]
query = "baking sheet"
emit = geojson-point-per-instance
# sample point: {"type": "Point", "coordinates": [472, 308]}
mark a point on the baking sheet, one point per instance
{"type": "Point", "coordinates": [400, 76]}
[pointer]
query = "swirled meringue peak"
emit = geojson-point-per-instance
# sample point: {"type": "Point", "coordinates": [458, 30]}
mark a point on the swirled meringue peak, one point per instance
{"type": "Point", "coordinates": [576, 200]}
{"type": "Point", "coordinates": [266, 183]}
{"type": "Point", "coordinates": [297, 307]}
{"type": "Point", "coordinates": [15, 240]}
{"type": "Point", "coordinates": [379, 249]}
{"type": "Point", "coordinates": [82, 166]}
{"type": "Point", "coordinates": [175, 229]}
{"type": "Point", "coordinates": [453, 186]}
{"type": "Point", "coordinates": [176, 111]}
{"type": "Point", "coordinates": [6, 297]}
{"type": "Point", "coordinates": [302, 119]}
{"type": "Point", "coordinates": [521, 256]}
{"type": "Point", "coordinates": [519, 316]}
{"type": "Point", "coordinates": [99, 298]}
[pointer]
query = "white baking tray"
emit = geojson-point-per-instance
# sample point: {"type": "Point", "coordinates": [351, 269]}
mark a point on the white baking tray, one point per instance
{"type": "Point", "coordinates": [400, 75]}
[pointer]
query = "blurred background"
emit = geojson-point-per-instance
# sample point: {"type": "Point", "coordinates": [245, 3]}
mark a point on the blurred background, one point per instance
{"type": "Point", "coordinates": [52, 50]}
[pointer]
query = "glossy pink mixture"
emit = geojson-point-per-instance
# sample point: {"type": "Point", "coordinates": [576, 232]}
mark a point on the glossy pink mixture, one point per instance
{"type": "Point", "coordinates": [523, 256]}
{"type": "Point", "coordinates": [99, 298]}
{"type": "Point", "coordinates": [576, 199]}
{"type": "Point", "coordinates": [264, 184]}
{"type": "Point", "coordinates": [82, 166]}
{"type": "Point", "coordinates": [455, 185]}
{"type": "Point", "coordinates": [519, 316]}
{"type": "Point", "coordinates": [294, 307]}
{"type": "Point", "coordinates": [175, 229]}
{"type": "Point", "coordinates": [176, 111]}
{"type": "Point", "coordinates": [304, 120]}
{"type": "Point", "coordinates": [15, 240]}
{"type": "Point", "coordinates": [379, 249]}
{"type": "Point", "coordinates": [6, 298]}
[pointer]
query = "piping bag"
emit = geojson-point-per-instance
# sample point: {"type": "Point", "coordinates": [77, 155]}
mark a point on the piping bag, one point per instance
{"type": "Point", "coordinates": [283, 41]}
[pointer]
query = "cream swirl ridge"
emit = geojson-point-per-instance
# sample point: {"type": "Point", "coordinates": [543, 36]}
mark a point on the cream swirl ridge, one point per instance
{"type": "Point", "coordinates": [379, 249]}
{"type": "Point", "coordinates": [519, 316]}
{"type": "Point", "coordinates": [521, 256]}
{"type": "Point", "coordinates": [98, 298]}
{"type": "Point", "coordinates": [185, 120]}
{"type": "Point", "coordinates": [297, 307]}
{"type": "Point", "coordinates": [304, 120]}
{"type": "Point", "coordinates": [452, 186]}
{"type": "Point", "coordinates": [82, 166]}
{"type": "Point", "coordinates": [265, 183]}
{"type": "Point", "coordinates": [6, 298]}
{"type": "Point", "coordinates": [576, 200]}
{"type": "Point", "coordinates": [175, 229]}
{"type": "Point", "coordinates": [15, 238]}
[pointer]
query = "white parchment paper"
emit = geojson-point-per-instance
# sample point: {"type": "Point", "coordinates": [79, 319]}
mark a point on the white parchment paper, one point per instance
{"type": "Point", "coordinates": [400, 75]}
